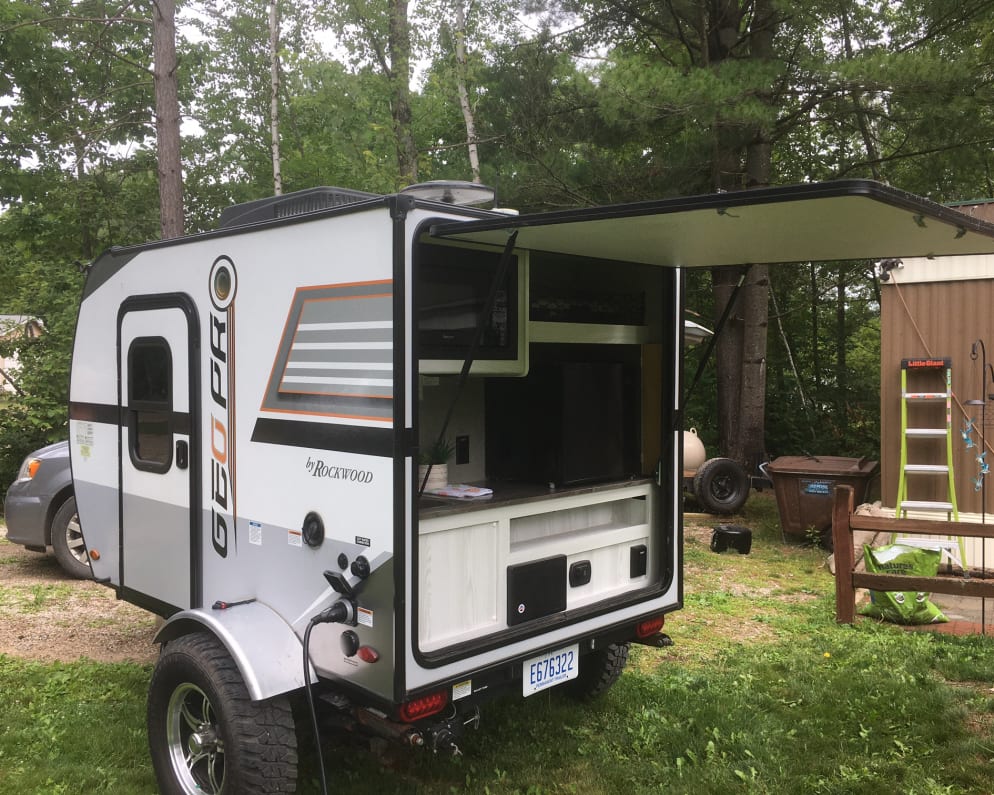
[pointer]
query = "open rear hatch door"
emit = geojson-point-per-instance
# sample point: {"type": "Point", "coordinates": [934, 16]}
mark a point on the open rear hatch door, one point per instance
{"type": "Point", "coordinates": [821, 222]}
{"type": "Point", "coordinates": [604, 558]}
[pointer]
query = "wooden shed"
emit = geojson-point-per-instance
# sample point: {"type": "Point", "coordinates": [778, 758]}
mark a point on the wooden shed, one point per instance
{"type": "Point", "coordinates": [940, 308]}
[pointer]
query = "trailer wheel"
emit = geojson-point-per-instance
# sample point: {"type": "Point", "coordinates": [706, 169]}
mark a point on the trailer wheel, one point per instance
{"type": "Point", "coordinates": [599, 670]}
{"type": "Point", "coordinates": [205, 733]}
{"type": "Point", "coordinates": [721, 486]}
{"type": "Point", "coordinates": [67, 542]}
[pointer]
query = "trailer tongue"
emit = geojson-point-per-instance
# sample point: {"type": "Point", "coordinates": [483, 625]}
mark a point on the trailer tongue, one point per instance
{"type": "Point", "coordinates": [247, 410]}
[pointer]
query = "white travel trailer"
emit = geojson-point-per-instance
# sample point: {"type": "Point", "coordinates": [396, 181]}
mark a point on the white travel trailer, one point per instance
{"type": "Point", "coordinates": [248, 406]}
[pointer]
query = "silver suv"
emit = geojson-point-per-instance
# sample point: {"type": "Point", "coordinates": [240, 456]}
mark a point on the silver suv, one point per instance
{"type": "Point", "coordinates": [40, 509]}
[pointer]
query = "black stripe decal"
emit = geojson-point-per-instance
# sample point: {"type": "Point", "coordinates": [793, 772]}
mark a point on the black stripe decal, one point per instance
{"type": "Point", "coordinates": [181, 423]}
{"type": "Point", "coordinates": [108, 414]}
{"type": "Point", "coordinates": [325, 436]}
{"type": "Point", "coordinates": [94, 412]}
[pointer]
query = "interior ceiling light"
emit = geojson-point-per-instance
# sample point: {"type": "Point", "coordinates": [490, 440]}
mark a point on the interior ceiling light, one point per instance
{"type": "Point", "coordinates": [451, 192]}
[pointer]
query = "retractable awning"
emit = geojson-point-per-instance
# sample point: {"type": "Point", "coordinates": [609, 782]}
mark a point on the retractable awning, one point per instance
{"type": "Point", "coordinates": [844, 220]}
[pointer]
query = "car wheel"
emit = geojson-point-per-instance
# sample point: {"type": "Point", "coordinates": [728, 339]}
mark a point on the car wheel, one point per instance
{"type": "Point", "coordinates": [721, 486]}
{"type": "Point", "coordinates": [67, 542]}
{"type": "Point", "coordinates": [205, 733]}
{"type": "Point", "coordinates": [599, 670]}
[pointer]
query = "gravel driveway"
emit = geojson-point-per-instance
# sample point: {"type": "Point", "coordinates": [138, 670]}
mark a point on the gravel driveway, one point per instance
{"type": "Point", "coordinates": [45, 615]}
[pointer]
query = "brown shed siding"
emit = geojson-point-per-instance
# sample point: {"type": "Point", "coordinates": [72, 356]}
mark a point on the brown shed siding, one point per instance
{"type": "Point", "coordinates": [984, 211]}
{"type": "Point", "coordinates": [938, 319]}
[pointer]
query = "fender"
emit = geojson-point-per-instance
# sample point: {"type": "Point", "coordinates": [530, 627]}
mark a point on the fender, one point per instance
{"type": "Point", "coordinates": [267, 651]}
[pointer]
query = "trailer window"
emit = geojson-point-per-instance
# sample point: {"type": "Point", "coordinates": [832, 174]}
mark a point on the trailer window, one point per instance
{"type": "Point", "coordinates": [150, 431]}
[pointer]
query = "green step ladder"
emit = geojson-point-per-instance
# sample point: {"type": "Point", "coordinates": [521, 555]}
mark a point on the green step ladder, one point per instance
{"type": "Point", "coordinates": [942, 368]}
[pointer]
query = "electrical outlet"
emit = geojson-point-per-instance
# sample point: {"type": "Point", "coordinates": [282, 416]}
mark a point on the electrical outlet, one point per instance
{"type": "Point", "coordinates": [462, 449]}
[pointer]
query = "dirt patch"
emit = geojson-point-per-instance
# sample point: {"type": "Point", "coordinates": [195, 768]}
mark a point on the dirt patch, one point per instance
{"type": "Point", "coordinates": [46, 615]}
{"type": "Point", "coordinates": [697, 532]}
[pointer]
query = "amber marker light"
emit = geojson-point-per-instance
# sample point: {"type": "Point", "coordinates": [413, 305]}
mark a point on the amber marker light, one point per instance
{"type": "Point", "coordinates": [29, 469]}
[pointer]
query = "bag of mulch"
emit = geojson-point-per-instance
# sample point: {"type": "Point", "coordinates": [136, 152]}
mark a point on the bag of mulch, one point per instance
{"type": "Point", "coordinates": [902, 607]}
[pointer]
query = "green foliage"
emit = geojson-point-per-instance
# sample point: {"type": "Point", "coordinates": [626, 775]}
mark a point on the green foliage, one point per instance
{"type": "Point", "coordinates": [76, 74]}
{"type": "Point", "coordinates": [342, 132]}
{"type": "Point", "coordinates": [44, 247]}
{"type": "Point", "coordinates": [73, 728]}
{"type": "Point", "coordinates": [634, 102]}
{"type": "Point", "coordinates": [78, 90]}
{"type": "Point", "coordinates": [539, 112]}
{"type": "Point", "coordinates": [230, 79]}
{"type": "Point", "coordinates": [39, 416]}
{"type": "Point", "coordinates": [336, 125]}
{"type": "Point", "coordinates": [439, 452]}
{"type": "Point", "coordinates": [824, 361]}
{"type": "Point", "coordinates": [45, 289]}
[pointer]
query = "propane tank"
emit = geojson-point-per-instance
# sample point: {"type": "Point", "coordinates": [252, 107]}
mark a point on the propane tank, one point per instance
{"type": "Point", "coordinates": [693, 451]}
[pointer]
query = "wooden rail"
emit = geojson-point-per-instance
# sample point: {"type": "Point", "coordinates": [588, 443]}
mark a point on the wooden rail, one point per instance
{"type": "Point", "coordinates": [847, 579]}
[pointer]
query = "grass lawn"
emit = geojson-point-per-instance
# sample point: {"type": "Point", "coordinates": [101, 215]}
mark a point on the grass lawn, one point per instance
{"type": "Point", "coordinates": [761, 693]}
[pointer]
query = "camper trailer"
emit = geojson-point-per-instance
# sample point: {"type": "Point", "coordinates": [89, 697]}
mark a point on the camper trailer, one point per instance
{"type": "Point", "coordinates": [248, 408]}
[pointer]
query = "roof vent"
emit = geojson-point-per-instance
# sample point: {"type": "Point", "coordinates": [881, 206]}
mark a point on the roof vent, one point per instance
{"type": "Point", "coordinates": [289, 204]}
{"type": "Point", "coordinates": [451, 192]}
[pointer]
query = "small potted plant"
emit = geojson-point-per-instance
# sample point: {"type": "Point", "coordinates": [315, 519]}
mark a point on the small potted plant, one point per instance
{"type": "Point", "coordinates": [437, 458]}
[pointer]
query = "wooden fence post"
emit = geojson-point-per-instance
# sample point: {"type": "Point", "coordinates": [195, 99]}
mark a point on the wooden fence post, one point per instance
{"type": "Point", "coordinates": [845, 556]}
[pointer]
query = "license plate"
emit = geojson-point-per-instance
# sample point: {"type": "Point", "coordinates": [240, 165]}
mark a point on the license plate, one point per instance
{"type": "Point", "coordinates": [550, 669]}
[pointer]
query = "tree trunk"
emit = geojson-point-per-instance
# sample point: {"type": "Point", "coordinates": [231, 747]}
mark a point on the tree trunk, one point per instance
{"type": "Point", "coordinates": [461, 76]}
{"type": "Point", "coordinates": [167, 118]}
{"type": "Point", "coordinates": [274, 96]}
{"type": "Point", "coordinates": [399, 43]}
{"type": "Point", "coordinates": [751, 443]}
{"type": "Point", "coordinates": [740, 362]}
{"type": "Point", "coordinates": [841, 371]}
{"type": "Point", "coordinates": [815, 347]}
{"type": "Point", "coordinates": [741, 353]}
{"type": "Point", "coordinates": [719, 28]}
{"type": "Point", "coordinates": [86, 246]}
{"type": "Point", "coordinates": [728, 358]}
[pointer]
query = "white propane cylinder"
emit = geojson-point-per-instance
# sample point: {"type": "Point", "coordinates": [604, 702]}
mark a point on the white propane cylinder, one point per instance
{"type": "Point", "coordinates": [693, 451]}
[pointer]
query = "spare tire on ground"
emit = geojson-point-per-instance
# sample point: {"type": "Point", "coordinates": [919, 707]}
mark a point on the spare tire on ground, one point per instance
{"type": "Point", "coordinates": [721, 486]}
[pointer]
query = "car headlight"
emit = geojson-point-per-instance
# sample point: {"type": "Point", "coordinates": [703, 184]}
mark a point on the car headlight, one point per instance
{"type": "Point", "coordinates": [29, 468]}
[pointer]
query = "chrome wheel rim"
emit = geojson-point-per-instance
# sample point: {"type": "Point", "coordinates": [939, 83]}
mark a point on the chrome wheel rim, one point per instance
{"type": "Point", "coordinates": [74, 540]}
{"type": "Point", "coordinates": [193, 735]}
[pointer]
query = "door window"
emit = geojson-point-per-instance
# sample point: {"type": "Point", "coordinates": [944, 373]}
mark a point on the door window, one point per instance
{"type": "Point", "coordinates": [150, 409]}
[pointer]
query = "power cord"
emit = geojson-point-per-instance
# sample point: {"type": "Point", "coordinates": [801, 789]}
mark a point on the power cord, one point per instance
{"type": "Point", "coordinates": [338, 613]}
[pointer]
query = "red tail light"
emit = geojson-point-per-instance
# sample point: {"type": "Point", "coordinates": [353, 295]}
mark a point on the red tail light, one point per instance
{"type": "Point", "coordinates": [424, 706]}
{"type": "Point", "coordinates": [649, 627]}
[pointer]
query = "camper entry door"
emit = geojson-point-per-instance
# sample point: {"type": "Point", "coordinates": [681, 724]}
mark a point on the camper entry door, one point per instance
{"type": "Point", "coordinates": [158, 453]}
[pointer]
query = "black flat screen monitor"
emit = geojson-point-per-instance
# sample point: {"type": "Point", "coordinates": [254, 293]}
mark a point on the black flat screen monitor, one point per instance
{"type": "Point", "coordinates": [566, 423]}
{"type": "Point", "coordinates": [451, 290]}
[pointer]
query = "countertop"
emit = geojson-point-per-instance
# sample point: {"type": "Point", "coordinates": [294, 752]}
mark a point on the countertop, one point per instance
{"type": "Point", "coordinates": [506, 493]}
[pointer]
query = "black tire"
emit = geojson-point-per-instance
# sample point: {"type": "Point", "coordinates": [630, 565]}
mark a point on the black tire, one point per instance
{"type": "Point", "coordinates": [599, 670]}
{"type": "Point", "coordinates": [67, 542]}
{"type": "Point", "coordinates": [205, 733]}
{"type": "Point", "coordinates": [721, 486]}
